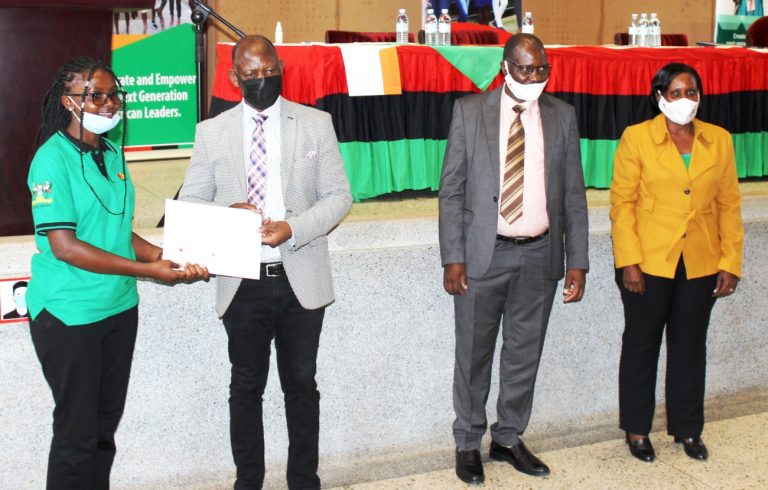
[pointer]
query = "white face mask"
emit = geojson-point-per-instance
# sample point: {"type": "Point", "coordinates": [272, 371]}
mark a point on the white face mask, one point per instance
{"type": "Point", "coordinates": [524, 91]}
{"type": "Point", "coordinates": [681, 111]}
{"type": "Point", "coordinates": [95, 123]}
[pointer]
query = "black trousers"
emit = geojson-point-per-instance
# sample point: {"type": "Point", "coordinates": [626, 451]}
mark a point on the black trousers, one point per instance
{"type": "Point", "coordinates": [684, 307]}
{"type": "Point", "coordinates": [261, 311]}
{"type": "Point", "coordinates": [87, 368]}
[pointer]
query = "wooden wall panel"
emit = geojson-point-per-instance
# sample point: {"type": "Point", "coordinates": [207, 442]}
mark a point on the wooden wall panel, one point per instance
{"type": "Point", "coordinates": [33, 44]}
{"type": "Point", "coordinates": [377, 15]}
{"type": "Point", "coordinates": [308, 21]}
{"type": "Point", "coordinates": [596, 21]}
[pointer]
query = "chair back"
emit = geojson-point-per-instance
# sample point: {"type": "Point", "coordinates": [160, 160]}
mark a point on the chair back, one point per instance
{"type": "Point", "coordinates": [362, 37]}
{"type": "Point", "coordinates": [622, 39]}
{"type": "Point", "coordinates": [757, 33]}
{"type": "Point", "coordinates": [469, 37]}
{"type": "Point", "coordinates": [674, 40]}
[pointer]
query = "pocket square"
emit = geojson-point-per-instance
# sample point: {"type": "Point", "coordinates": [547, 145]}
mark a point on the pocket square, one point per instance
{"type": "Point", "coordinates": [311, 154]}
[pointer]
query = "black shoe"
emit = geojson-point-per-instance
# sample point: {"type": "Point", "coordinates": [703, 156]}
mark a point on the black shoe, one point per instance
{"type": "Point", "coordinates": [520, 457]}
{"type": "Point", "coordinates": [641, 449]}
{"type": "Point", "coordinates": [694, 447]}
{"type": "Point", "coordinates": [469, 467]}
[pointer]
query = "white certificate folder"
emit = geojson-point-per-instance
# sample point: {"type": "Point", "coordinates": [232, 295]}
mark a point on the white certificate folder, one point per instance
{"type": "Point", "coordinates": [225, 240]}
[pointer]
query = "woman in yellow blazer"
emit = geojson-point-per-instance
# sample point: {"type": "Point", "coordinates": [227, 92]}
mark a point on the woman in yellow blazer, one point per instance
{"type": "Point", "coordinates": [677, 245]}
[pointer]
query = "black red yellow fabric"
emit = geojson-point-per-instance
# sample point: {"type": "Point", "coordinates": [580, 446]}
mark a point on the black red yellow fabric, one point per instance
{"type": "Point", "coordinates": [396, 142]}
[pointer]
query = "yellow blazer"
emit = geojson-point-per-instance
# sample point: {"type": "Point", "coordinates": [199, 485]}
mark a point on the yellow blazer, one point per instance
{"type": "Point", "coordinates": [660, 209]}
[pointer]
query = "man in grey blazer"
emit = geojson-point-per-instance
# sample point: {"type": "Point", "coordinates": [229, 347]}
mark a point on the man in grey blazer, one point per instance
{"type": "Point", "coordinates": [512, 212]}
{"type": "Point", "coordinates": [281, 159]}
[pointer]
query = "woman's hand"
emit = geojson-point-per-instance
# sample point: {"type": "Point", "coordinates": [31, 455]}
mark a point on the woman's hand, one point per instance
{"type": "Point", "coordinates": [633, 279]}
{"type": "Point", "coordinates": [726, 284]}
{"type": "Point", "coordinates": [195, 272]}
{"type": "Point", "coordinates": [169, 272]}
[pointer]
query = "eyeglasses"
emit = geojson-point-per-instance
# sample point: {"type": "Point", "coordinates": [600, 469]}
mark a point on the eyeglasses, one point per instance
{"type": "Point", "coordinates": [100, 98]}
{"type": "Point", "coordinates": [531, 69]}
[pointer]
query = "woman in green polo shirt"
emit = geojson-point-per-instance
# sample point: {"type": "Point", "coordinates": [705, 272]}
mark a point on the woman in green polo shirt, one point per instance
{"type": "Point", "coordinates": [82, 296]}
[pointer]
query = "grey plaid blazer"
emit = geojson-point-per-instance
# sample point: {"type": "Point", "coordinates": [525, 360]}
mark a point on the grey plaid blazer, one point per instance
{"type": "Point", "coordinates": [315, 191]}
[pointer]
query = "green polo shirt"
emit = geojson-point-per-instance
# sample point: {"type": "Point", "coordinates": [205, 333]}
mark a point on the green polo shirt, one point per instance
{"type": "Point", "coordinates": [65, 195]}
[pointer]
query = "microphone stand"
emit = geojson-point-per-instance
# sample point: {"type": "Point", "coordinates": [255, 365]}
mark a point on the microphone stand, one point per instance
{"type": "Point", "coordinates": [199, 17]}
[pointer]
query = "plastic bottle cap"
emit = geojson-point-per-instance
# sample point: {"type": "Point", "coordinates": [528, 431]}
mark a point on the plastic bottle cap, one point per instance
{"type": "Point", "coordinates": [445, 11]}
{"type": "Point", "coordinates": [402, 11]}
{"type": "Point", "coordinates": [430, 11]}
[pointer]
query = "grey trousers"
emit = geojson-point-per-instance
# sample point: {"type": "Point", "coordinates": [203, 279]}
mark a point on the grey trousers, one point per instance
{"type": "Point", "coordinates": [516, 293]}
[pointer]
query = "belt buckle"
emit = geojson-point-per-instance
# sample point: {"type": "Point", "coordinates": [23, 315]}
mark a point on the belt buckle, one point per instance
{"type": "Point", "coordinates": [272, 270]}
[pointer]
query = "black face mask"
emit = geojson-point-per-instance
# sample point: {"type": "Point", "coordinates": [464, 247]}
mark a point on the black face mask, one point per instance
{"type": "Point", "coordinates": [261, 93]}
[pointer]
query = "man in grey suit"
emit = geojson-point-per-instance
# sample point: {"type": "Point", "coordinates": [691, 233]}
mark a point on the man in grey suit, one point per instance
{"type": "Point", "coordinates": [512, 211]}
{"type": "Point", "coordinates": [280, 159]}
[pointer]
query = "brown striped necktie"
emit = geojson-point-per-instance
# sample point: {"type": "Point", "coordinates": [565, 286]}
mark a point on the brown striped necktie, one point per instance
{"type": "Point", "coordinates": [512, 192]}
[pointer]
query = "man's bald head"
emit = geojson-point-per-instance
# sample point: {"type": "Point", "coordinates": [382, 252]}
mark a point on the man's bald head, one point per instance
{"type": "Point", "coordinates": [526, 42]}
{"type": "Point", "coordinates": [255, 44]}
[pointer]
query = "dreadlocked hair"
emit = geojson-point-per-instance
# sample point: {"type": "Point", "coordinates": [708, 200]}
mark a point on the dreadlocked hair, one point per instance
{"type": "Point", "coordinates": [55, 117]}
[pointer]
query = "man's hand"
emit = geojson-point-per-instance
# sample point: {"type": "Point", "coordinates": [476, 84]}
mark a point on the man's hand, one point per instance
{"type": "Point", "coordinates": [245, 205]}
{"type": "Point", "coordinates": [632, 279]}
{"type": "Point", "coordinates": [275, 233]}
{"type": "Point", "coordinates": [575, 281]}
{"type": "Point", "coordinates": [455, 279]}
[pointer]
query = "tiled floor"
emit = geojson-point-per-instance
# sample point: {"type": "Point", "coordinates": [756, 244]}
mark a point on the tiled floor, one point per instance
{"type": "Point", "coordinates": [738, 450]}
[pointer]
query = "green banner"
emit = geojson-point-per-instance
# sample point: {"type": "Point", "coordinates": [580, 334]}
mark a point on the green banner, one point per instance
{"type": "Point", "coordinates": [597, 158]}
{"type": "Point", "coordinates": [732, 29]}
{"type": "Point", "coordinates": [158, 74]}
{"type": "Point", "coordinates": [380, 167]}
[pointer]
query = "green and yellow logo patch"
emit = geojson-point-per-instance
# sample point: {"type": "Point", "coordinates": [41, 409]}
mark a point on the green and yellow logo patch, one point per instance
{"type": "Point", "coordinates": [41, 194]}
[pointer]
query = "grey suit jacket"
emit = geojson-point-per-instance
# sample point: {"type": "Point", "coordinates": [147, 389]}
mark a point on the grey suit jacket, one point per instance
{"type": "Point", "coordinates": [315, 191]}
{"type": "Point", "coordinates": [469, 185]}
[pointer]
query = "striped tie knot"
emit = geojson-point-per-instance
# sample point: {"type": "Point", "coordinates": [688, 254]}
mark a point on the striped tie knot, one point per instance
{"type": "Point", "coordinates": [518, 109]}
{"type": "Point", "coordinates": [260, 119]}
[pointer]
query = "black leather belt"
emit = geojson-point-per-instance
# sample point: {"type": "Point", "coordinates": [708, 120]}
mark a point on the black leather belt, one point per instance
{"type": "Point", "coordinates": [272, 269]}
{"type": "Point", "coordinates": [521, 240]}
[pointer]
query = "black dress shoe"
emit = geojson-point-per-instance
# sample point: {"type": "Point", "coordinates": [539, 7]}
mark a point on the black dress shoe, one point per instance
{"type": "Point", "coordinates": [641, 449]}
{"type": "Point", "coordinates": [694, 447]}
{"type": "Point", "coordinates": [520, 457]}
{"type": "Point", "coordinates": [469, 467]}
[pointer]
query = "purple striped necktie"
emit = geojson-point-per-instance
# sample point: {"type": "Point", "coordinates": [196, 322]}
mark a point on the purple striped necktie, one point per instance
{"type": "Point", "coordinates": [257, 171]}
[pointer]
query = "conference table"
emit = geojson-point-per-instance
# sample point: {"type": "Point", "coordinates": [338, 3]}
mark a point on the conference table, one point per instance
{"type": "Point", "coordinates": [396, 142]}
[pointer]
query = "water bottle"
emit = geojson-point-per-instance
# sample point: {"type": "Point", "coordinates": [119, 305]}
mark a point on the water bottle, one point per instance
{"type": "Point", "coordinates": [279, 33]}
{"type": "Point", "coordinates": [633, 30]}
{"type": "Point", "coordinates": [401, 27]}
{"type": "Point", "coordinates": [642, 30]}
{"type": "Point", "coordinates": [528, 23]}
{"type": "Point", "coordinates": [655, 30]}
{"type": "Point", "coordinates": [430, 28]}
{"type": "Point", "coordinates": [444, 29]}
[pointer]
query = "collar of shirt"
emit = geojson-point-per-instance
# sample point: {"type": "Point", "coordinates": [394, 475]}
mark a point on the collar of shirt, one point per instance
{"type": "Point", "coordinates": [508, 104]}
{"type": "Point", "coordinates": [272, 112]}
